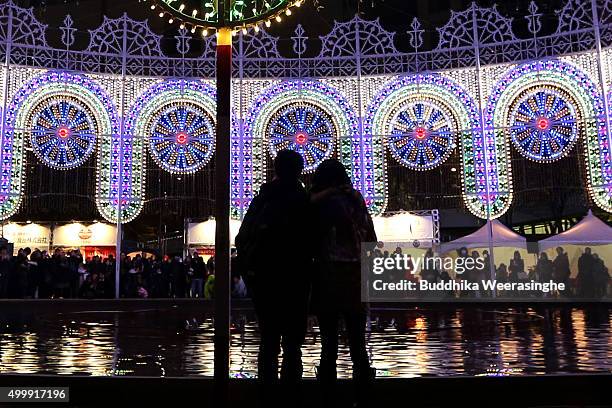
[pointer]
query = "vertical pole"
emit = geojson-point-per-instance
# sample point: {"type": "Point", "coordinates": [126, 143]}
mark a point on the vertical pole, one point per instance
{"type": "Point", "coordinates": [222, 214]}
{"type": "Point", "coordinates": [121, 158]}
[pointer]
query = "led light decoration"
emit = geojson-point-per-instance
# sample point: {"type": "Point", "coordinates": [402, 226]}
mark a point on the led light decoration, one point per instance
{"type": "Point", "coordinates": [25, 116]}
{"type": "Point", "coordinates": [304, 128]}
{"type": "Point", "coordinates": [422, 134]}
{"type": "Point", "coordinates": [322, 107]}
{"type": "Point", "coordinates": [544, 123]}
{"type": "Point", "coordinates": [63, 132]}
{"type": "Point", "coordinates": [182, 137]}
{"type": "Point", "coordinates": [437, 104]}
{"type": "Point", "coordinates": [177, 119]}
{"type": "Point", "coordinates": [577, 89]}
{"type": "Point", "coordinates": [238, 13]}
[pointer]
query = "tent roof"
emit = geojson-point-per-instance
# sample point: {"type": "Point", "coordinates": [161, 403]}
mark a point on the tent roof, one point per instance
{"type": "Point", "coordinates": [589, 231]}
{"type": "Point", "coordinates": [501, 236]}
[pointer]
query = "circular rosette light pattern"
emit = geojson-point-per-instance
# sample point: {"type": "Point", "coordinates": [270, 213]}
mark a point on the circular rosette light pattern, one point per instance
{"type": "Point", "coordinates": [305, 128]}
{"type": "Point", "coordinates": [421, 135]}
{"type": "Point", "coordinates": [176, 118]}
{"type": "Point", "coordinates": [544, 124]}
{"type": "Point", "coordinates": [63, 132]}
{"type": "Point", "coordinates": [182, 137]}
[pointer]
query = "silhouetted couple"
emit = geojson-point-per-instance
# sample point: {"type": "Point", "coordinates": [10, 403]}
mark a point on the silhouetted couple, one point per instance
{"type": "Point", "coordinates": [299, 247]}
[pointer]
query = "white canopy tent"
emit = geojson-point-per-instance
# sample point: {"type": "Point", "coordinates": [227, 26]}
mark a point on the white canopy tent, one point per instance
{"type": "Point", "coordinates": [493, 235]}
{"type": "Point", "coordinates": [494, 231]}
{"type": "Point", "coordinates": [589, 232]}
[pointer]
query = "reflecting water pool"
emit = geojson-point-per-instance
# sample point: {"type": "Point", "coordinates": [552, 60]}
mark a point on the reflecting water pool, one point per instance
{"type": "Point", "coordinates": [432, 341]}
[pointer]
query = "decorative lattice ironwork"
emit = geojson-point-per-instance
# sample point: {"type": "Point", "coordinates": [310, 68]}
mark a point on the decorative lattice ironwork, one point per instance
{"type": "Point", "coordinates": [19, 26]}
{"type": "Point", "coordinates": [476, 25]}
{"type": "Point", "coordinates": [357, 37]}
{"type": "Point", "coordinates": [124, 36]}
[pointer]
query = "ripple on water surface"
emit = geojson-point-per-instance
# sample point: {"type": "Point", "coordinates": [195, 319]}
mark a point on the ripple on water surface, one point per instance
{"type": "Point", "coordinates": [401, 343]}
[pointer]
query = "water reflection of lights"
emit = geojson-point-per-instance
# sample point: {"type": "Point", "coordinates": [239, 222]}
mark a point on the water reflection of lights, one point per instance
{"type": "Point", "coordinates": [401, 343]}
{"type": "Point", "coordinates": [18, 353]}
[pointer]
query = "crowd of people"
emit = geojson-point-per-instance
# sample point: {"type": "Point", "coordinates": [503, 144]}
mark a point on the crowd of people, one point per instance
{"type": "Point", "coordinates": [591, 280]}
{"type": "Point", "coordinates": [65, 274]}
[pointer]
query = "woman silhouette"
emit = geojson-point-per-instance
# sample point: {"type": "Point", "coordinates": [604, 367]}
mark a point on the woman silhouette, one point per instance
{"type": "Point", "coordinates": [343, 224]}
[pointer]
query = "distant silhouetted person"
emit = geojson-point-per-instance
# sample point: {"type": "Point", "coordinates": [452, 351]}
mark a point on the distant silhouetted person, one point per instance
{"type": "Point", "coordinates": [544, 268]}
{"type": "Point", "coordinates": [343, 224]}
{"type": "Point", "coordinates": [586, 276]}
{"type": "Point", "coordinates": [561, 270]}
{"type": "Point", "coordinates": [274, 253]}
{"type": "Point", "coordinates": [601, 277]}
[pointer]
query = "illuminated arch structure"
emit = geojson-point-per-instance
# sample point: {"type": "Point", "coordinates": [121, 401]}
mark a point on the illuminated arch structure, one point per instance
{"type": "Point", "coordinates": [58, 111]}
{"type": "Point", "coordinates": [423, 118]}
{"type": "Point", "coordinates": [317, 121]}
{"type": "Point", "coordinates": [177, 119]}
{"type": "Point", "coordinates": [353, 100]}
{"type": "Point", "coordinates": [544, 108]}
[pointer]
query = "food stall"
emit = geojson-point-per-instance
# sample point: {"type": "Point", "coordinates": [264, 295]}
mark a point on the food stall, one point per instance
{"type": "Point", "coordinates": [91, 239]}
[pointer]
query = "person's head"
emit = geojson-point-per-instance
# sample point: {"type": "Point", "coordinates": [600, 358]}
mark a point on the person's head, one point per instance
{"type": "Point", "coordinates": [502, 267]}
{"type": "Point", "coordinates": [559, 250]}
{"type": "Point", "coordinates": [288, 165]}
{"type": "Point", "coordinates": [330, 173]}
{"type": "Point", "coordinates": [36, 255]}
{"type": "Point", "coordinates": [517, 255]}
{"type": "Point", "coordinates": [587, 251]}
{"type": "Point", "coordinates": [544, 256]}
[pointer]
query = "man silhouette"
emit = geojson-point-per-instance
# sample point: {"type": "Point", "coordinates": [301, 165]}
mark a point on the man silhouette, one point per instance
{"type": "Point", "coordinates": [273, 251]}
